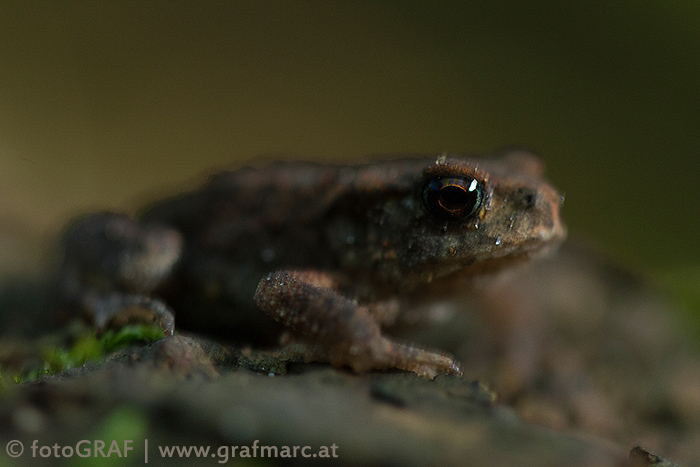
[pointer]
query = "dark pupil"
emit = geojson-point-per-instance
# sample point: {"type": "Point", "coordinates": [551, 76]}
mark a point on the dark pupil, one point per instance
{"type": "Point", "coordinates": [455, 198]}
{"type": "Point", "coordinates": [452, 198]}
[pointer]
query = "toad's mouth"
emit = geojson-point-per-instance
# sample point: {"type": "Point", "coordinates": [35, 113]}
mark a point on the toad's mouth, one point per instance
{"type": "Point", "coordinates": [543, 242]}
{"type": "Point", "coordinates": [508, 256]}
{"type": "Point", "coordinates": [501, 255]}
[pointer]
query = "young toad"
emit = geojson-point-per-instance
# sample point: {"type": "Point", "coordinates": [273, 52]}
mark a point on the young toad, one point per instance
{"type": "Point", "coordinates": [331, 252]}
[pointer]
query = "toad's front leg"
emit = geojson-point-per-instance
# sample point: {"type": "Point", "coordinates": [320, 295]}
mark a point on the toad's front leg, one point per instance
{"type": "Point", "coordinates": [308, 303]}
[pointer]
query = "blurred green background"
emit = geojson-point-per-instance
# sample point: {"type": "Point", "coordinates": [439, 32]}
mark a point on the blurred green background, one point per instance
{"type": "Point", "coordinates": [107, 104]}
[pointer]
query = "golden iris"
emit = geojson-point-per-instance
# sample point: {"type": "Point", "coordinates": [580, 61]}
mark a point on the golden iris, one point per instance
{"type": "Point", "coordinates": [452, 198]}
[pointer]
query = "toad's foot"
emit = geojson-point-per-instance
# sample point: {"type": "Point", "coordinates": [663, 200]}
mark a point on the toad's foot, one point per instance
{"type": "Point", "coordinates": [308, 303]}
{"type": "Point", "coordinates": [121, 308]}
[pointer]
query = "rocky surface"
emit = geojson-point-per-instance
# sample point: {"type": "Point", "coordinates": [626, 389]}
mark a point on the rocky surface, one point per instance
{"type": "Point", "coordinates": [576, 372]}
{"type": "Point", "coordinates": [189, 391]}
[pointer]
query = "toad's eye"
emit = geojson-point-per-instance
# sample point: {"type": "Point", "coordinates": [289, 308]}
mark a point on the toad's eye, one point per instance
{"type": "Point", "coordinates": [452, 198]}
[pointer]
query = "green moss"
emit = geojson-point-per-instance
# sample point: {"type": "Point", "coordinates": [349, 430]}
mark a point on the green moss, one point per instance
{"type": "Point", "coordinates": [90, 348]}
{"type": "Point", "coordinates": [131, 334]}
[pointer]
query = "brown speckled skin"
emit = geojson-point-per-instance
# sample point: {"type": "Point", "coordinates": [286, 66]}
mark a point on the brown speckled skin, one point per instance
{"type": "Point", "coordinates": [360, 234]}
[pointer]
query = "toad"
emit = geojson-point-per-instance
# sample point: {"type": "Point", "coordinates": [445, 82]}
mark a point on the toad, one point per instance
{"type": "Point", "coordinates": [332, 252]}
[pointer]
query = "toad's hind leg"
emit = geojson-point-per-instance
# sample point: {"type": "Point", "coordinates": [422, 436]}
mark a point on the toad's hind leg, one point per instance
{"type": "Point", "coordinates": [111, 265]}
{"type": "Point", "coordinates": [308, 303]}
